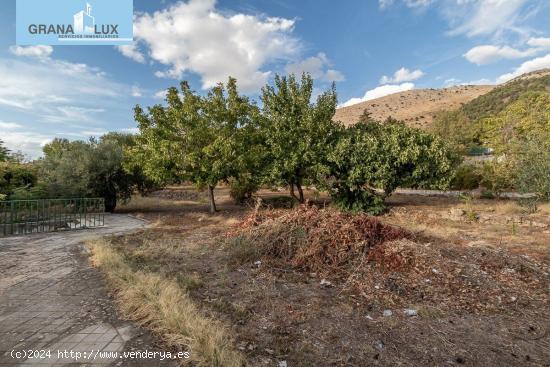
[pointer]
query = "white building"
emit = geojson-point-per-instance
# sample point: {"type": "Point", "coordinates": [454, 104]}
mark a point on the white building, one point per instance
{"type": "Point", "coordinates": [83, 21]}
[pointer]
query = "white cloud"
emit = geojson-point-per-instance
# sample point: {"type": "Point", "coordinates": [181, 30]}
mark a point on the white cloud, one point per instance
{"type": "Point", "coordinates": [130, 130]}
{"type": "Point", "coordinates": [527, 67]}
{"type": "Point", "coordinates": [402, 75]}
{"type": "Point", "coordinates": [94, 133]}
{"type": "Point", "coordinates": [132, 52]}
{"type": "Point", "coordinates": [32, 51]}
{"type": "Point", "coordinates": [378, 92]}
{"type": "Point", "coordinates": [409, 3]}
{"type": "Point", "coordinates": [72, 114]}
{"type": "Point", "coordinates": [451, 82]}
{"type": "Point", "coordinates": [55, 89]}
{"type": "Point", "coordinates": [136, 91]}
{"type": "Point", "coordinates": [9, 125]}
{"type": "Point", "coordinates": [195, 37]}
{"type": "Point", "coordinates": [161, 94]}
{"type": "Point", "coordinates": [317, 66]}
{"type": "Point", "coordinates": [418, 3]}
{"type": "Point", "coordinates": [482, 81]}
{"type": "Point", "coordinates": [482, 17]}
{"type": "Point", "coordinates": [541, 42]}
{"type": "Point", "coordinates": [487, 54]}
{"type": "Point", "coordinates": [28, 142]}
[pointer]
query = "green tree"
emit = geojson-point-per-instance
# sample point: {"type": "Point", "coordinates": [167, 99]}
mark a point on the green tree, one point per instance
{"type": "Point", "coordinates": [4, 152]}
{"type": "Point", "coordinates": [456, 128]}
{"type": "Point", "coordinates": [200, 139]}
{"type": "Point", "coordinates": [298, 133]}
{"type": "Point", "coordinates": [520, 135]}
{"type": "Point", "coordinates": [371, 159]}
{"type": "Point", "coordinates": [17, 180]}
{"type": "Point", "coordinates": [93, 168]}
{"type": "Point", "coordinates": [533, 169]}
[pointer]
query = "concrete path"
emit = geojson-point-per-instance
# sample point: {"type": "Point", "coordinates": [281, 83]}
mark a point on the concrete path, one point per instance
{"type": "Point", "coordinates": [54, 309]}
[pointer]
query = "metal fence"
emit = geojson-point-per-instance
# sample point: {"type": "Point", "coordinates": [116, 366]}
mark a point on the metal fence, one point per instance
{"type": "Point", "coordinates": [49, 215]}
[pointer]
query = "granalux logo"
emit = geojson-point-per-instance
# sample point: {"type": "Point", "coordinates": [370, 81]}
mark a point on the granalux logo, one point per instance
{"type": "Point", "coordinates": [74, 22]}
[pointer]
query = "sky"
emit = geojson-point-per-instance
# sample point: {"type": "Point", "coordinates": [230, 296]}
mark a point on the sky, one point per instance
{"type": "Point", "coordinates": [369, 48]}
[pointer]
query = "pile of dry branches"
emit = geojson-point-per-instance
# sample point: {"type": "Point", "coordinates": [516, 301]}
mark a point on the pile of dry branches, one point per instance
{"type": "Point", "coordinates": [313, 239]}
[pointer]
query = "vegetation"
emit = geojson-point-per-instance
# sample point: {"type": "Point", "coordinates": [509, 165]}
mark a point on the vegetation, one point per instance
{"type": "Point", "coordinates": [298, 133]}
{"type": "Point", "coordinates": [4, 152]}
{"type": "Point", "coordinates": [514, 121]}
{"type": "Point", "coordinates": [205, 140]}
{"type": "Point", "coordinates": [498, 99]}
{"type": "Point", "coordinates": [372, 159]}
{"type": "Point", "coordinates": [223, 137]}
{"type": "Point", "coordinates": [163, 306]}
{"type": "Point", "coordinates": [93, 168]}
{"type": "Point", "coordinates": [18, 181]}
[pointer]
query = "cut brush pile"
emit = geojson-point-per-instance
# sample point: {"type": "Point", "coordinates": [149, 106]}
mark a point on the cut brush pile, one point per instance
{"type": "Point", "coordinates": [383, 265]}
{"type": "Point", "coordinates": [309, 238]}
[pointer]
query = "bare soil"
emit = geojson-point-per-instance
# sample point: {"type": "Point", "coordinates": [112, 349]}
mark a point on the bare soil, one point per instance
{"type": "Point", "coordinates": [474, 291]}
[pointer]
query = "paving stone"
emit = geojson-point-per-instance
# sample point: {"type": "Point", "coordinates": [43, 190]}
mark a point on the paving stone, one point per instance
{"type": "Point", "coordinates": [53, 299]}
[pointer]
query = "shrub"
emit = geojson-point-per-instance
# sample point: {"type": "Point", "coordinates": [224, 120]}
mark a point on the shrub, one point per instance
{"type": "Point", "coordinates": [371, 159]}
{"type": "Point", "coordinates": [242, 189]}
{"type": "Point", "coordinates": [17, 180]}
{"type": "Point", "coordinates": [497, 177]}
{"type": "Point", "coordinates": [466, 177]}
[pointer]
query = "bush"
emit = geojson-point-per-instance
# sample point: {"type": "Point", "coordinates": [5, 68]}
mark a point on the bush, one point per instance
{"type": "Point", "coordinates": [17, 180]}
{"type": "Point", "coordinates": [497, 177]}
{"type": "Point", "coordinates": [242, 189]}
{"type": "Point", "coordinates": [467, 177]}
{"type": "Point", "coordinates": [359, 201]}
{"type": "Point", "coordinates": [371, 159]}
{"type": "Point", "coordinates": [533, 172]}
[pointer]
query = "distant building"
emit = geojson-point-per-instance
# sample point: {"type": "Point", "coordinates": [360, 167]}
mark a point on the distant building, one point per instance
{"type": "Point", "coordinates": [83, 20]}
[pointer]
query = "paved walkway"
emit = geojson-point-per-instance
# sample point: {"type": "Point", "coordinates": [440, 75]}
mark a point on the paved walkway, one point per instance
{"type": "Point", "coordinates": [51, 299]}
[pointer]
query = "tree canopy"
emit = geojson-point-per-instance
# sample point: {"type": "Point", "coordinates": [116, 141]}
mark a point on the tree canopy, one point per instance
{"type": "Point", "coordinates": [201, 139]}
{"type": "Point", "coordinates": [371, 159]}
{"type": "Point", "coordinates": [4, 152]}
{"type": "Point", "coordinates": [92, 168]}
{"type": "Point", "coordinates": [297, 133]}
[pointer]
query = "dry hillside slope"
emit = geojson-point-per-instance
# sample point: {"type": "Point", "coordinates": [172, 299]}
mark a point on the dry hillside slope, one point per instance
{"type": "Point", "coordinates": [415, 107]}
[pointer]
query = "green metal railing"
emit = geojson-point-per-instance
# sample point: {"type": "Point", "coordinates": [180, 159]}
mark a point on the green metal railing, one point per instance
{"type": "Point", "coordinates": [49, 215]}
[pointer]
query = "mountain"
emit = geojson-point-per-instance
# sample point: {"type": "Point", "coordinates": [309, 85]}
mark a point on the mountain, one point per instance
{"type": "Point", "coordinates": [496, 100]}
{"type": "Point", "coordinates": [419, 106]}
{"type": "Point", "coordinates": [416, 107]}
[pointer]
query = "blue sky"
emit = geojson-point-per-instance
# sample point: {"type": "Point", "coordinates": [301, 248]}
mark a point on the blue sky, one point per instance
{"type": "Point", "coordinates": [368, 47]}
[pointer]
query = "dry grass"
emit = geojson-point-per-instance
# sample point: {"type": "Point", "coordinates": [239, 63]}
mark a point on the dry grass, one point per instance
{"type": "Point", "coordinates": [480, 299]}
{"type": "Point", "coordinates": [162, 306]}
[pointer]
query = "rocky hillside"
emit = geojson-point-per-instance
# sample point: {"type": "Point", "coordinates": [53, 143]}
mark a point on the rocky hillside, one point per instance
{"type": "Point", "coordinates": [418, 107]}
{"type": "Point", "coordinates": [415, 107]}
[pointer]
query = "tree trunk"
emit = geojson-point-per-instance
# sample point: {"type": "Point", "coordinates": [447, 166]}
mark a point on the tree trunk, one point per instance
{"type": "Point", "coordinates": [300, 192]}
{"type": "Point", "coordinates": [211, 198]}
{"type": "Point", "coordinates": [292, 194]}
{"type": "Point", "coordinates": [109, 198]}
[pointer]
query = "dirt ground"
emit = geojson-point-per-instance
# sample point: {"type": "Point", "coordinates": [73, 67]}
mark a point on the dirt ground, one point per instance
{"type": "Point", "coordinates": [478, 295]}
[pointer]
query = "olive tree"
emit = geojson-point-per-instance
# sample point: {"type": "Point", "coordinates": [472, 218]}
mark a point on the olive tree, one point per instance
{"type": "Point", "coordinates": [92, 168]}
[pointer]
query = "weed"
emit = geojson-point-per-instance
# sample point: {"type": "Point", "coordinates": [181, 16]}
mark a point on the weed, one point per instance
{"type": "Point", "coordinates": [468, 201]}
{"type": "Point", "coordinates": [162, 306]}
